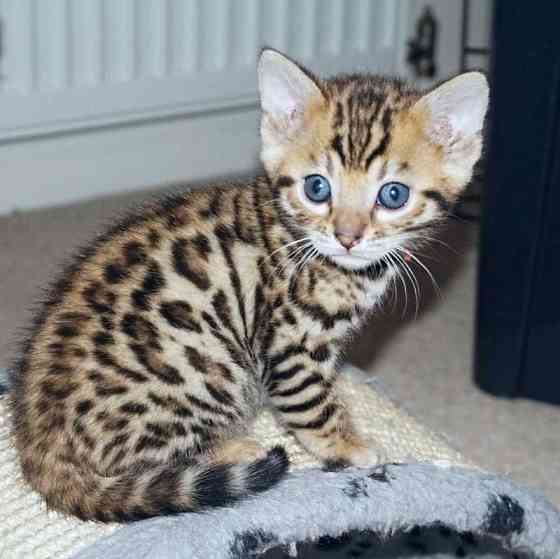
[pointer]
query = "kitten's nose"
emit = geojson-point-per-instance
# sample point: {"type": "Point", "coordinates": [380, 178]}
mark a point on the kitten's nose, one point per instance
{"type": "Point", "coordinates": [349, 226]}
{"type": "Point", "coordinates": [348, 239]}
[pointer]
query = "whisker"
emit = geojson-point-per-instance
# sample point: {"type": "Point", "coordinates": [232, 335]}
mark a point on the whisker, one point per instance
{"type": "Point", "coordinates": [430, 257]}
{"type": "Point", "coordinates": [391, 254]}
{"type": "Point", "coordinates": [297, 241]}
{"type": "Point", "coordinates": [305, 259]}
{"type": "Point", "coordinates": [393, 284]}
{"type": "Point", "coordinates": [417, 290]}
{"type": "Point", "coordinates": [442, 243]}
{"type": "Point", "coordinates": [293, 252]}
{"type": "Point", "coordinates": [407, 270]}
{"type": "Point", "coordinates": [289, 259]}
{"type": "Point", "coordinates": [294, 258]}
{"type": "Point", "coordinates": [270, 202]}
{"type": "Point", "coordinates": [428, 272]}
{"type": "Point", "coordinates": [301, 261]}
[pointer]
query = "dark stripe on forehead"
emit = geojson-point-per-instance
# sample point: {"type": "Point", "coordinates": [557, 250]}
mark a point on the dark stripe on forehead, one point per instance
{"type": "Point", "coordinates": [387, 119]}
{"type": "Point", "coordinates": [338, 115]}
{"type": "Point", "coordinates": [372, 121]}
{"type": "Point", "coordinates": [379, 150]}
{"type": "Point", "coordinates": [350, 143]}
{"type": "Point", "coordinates": [439, 199]}
{"type": "Point", "coordinates": [375, 114]}
{"type": "Point", "coordinates": [382, 146]}
{"type": "Point", "coordinates": [366, 141]}
{"type": "Point", "coordinates": [336, 144]}
{"type": "Point", "coordinates": [352, 127]}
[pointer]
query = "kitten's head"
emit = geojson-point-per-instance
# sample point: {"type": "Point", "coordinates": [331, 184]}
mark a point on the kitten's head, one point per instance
{"type": "Point", "coordinates": [363, 164]}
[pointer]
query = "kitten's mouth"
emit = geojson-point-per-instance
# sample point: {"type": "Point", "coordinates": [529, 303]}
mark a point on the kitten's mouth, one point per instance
{"type": "Point", "coordinates": [351, 261]}
{"type": "Point", "coordinates": [361, 256]}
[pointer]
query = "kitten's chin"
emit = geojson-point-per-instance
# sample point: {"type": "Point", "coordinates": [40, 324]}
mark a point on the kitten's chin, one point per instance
{"type": "Point", "coordinates": [351, 262]}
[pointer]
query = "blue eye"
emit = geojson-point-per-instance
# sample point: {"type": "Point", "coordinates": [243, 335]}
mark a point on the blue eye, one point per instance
{"type": "Point", "coordinates": [317, 188]}
{"type": "Point", "coordinates": [393, 195]}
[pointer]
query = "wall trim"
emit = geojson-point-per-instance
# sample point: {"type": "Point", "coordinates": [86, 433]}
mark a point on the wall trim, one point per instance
{"type": "Point", "coordinates": [62, 169]}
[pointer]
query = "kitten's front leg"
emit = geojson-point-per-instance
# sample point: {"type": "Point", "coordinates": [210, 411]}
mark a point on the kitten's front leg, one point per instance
{"type": "Point", "coordinates": [305, 397]}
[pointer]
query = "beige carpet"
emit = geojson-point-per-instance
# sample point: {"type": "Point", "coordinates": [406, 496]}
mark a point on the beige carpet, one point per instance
{"type": "Point", "coordinates": [425, 363]}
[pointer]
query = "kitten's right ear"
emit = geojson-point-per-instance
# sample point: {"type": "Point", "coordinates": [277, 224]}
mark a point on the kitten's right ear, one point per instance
{"type": "Point", "coordinates": [453, 116]}
{"type": "Point", "coordinates": [456, 109]}
{"type": "Point", "coordinates": [285, 91]}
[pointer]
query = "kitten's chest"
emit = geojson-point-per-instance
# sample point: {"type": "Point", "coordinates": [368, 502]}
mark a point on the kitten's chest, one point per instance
{"type": "Point", "coordinates": [327, 302]}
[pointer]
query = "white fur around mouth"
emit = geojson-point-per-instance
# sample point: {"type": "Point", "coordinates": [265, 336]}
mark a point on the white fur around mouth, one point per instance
{"type": "Point", "coordinates": [359, 257]}
{"type": "Point", "coordinates": [351, 262]}
{"type": "Point", "coordinates": [348, 260]}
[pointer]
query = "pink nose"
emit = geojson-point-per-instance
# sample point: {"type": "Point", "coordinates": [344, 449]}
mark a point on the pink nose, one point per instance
{"type": "Point", "coordinates": [347, 240]}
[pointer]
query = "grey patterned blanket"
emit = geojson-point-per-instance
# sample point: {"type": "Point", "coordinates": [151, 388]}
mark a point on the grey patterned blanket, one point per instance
{"type": "Point", "coordinates": [399, 511]}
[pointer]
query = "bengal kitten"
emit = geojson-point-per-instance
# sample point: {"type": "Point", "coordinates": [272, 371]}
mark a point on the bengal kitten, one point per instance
{"type": "Point", "coordinates": [155, 350]}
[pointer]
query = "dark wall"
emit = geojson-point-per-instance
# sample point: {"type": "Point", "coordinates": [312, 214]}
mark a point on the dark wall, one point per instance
{"type": "Point", "coordinates": [518, 328]}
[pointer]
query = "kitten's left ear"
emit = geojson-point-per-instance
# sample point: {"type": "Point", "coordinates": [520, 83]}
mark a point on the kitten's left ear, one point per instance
{"type": "Point", "coordinates": [455, 110]}
{"type": "Point", "coordinates": [286, 92]}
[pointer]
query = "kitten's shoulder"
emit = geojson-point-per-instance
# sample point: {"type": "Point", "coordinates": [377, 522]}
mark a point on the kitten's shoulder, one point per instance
{"type": "Point", "coordinates": [127, 242]}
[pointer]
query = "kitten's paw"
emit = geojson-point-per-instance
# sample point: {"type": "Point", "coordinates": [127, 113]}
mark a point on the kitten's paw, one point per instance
{"type": "Point", "coordinates": [367, 456]}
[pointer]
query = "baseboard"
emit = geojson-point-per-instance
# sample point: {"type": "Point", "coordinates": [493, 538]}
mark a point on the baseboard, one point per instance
{"type": "Point", "coordinates": [67, 168]}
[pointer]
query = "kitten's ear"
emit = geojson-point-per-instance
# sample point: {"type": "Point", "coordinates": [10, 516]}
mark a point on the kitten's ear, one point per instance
{"type": "Point", "coordinates": [452, 116]}
{"type": "Point", "coordinates": [455, 110]}
{"type": "Point", "coordinates": [285, 91]}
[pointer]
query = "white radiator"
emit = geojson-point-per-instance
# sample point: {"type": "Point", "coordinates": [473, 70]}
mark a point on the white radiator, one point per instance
{"type": "Point", "coordinates": [68, 64]}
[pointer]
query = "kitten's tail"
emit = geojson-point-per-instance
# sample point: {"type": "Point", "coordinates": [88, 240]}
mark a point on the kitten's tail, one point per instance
{"type": "Point", "coordinates": [171, 489]}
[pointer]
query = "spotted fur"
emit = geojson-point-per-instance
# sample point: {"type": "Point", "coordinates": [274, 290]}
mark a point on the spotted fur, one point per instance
{"type": "Point", "coordinates": [154, 351]}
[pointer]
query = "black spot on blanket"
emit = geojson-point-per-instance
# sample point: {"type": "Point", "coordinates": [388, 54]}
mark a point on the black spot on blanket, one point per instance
{"type": "Point", "coordinates": [364, 543]}
{"type": "Point", "coordinates": [468, 538]}
{"type": "Point", "coordinates": [415, 532]}
{"type": "Point", "coordinates": [335, 465]}
{"type": "Point", "coordinates": [417, 541]}
{"type": "Point", "coordinates": [250, 543]}
{"type": "Point", "coordinates": [444, 531]}
{"type": "Point", "coordinates": [356, 488]}
{"type": "Point", "coordinates": [380, 474]}
{"type": "Point", "coordinates": [329, 543]}
{"type": "Point", "coordinates": [504, 517]}
{"type": "Point", "coordinates": [417, 547]}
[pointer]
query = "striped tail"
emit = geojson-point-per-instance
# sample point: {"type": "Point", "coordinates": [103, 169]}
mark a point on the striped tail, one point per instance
{"type": "Point", "coordinates": [164, 489]}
